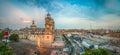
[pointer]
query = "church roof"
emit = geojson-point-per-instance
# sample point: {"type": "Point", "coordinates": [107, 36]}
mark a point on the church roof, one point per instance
{"type": "Point", "coordinates": [33, 24]}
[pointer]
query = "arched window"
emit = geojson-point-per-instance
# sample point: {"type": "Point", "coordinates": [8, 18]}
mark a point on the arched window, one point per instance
{"type": "Point", "coordinates": [47, 37]}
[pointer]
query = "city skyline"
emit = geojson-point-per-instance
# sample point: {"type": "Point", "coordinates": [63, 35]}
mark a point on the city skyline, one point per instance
{"type": "Point", "coordinates": [67, 14]}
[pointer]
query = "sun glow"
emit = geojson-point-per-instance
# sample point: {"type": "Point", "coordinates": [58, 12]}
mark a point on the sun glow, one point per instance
{"type": "Point", "coordinates": [26, 21]}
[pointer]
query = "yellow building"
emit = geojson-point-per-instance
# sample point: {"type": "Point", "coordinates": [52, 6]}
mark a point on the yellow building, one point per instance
{"type": "Point", "coordinates": [49, 30]}
{"type": "Point", "coordinates": [47, 38]}
{"type": "Point", "coordinates": [44, 36]}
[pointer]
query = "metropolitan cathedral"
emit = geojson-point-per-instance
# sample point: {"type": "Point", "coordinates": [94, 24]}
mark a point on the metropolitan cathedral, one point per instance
{"type": "Point", "coordinates": [44, 36]}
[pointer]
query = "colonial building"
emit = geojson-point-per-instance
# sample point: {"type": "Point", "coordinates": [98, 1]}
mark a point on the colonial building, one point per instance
{"type": "Point", "coordinates": [49, 33]}
{"type": "Point", "coordinates": [44, 36]}
{"type": "Point", "coordinates": [48, 36]}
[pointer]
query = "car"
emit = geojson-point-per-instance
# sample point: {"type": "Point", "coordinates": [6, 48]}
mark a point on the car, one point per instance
{"type": "Point", "coordinates": [5, 40]}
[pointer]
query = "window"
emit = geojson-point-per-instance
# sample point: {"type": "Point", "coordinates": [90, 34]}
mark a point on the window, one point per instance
{"type": "Point", "coordinates": [47, 36]}
{"type": "Point", "coordinates": [47, 32]}
{"type": "Point", "coordinates": [48, 28]}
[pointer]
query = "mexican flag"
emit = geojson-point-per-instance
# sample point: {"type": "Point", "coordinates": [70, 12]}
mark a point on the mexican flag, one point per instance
{"type": "Point", "coordinates": [6, 34]}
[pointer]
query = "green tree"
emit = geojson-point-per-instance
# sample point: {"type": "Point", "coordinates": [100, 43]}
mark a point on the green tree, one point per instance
{"type": "Point", "coordinates": [14, 37]}
{"type": "Point", "coordinates": [96, 52]}
{"type": "Point", "coordinates": [5, 50]}
{"type": "Point", "coordinates": [1, 34]}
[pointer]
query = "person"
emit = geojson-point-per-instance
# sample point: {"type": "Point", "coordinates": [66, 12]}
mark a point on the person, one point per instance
{"type": "Point", "coordinates": [35, 53]}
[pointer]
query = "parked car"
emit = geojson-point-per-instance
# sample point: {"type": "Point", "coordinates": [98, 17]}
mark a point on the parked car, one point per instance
{"type": "Point", "coordinates": [5, 40]}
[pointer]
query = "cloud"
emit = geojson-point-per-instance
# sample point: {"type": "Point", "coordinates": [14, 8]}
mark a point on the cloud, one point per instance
{"type": "Point", "coordinates": [83, 17]}
{"type": "Point", "coordinates": [113, 6]}
{"type": "Point", "coordinates": [72, 23]}
{"type": "Point", "coordinates": [14, 16]}
{"type": "Point", "coordinates": [109, 21]}
{"type": "Point", "coordinates": [11, 15]}
{"type": "Point", "coordinates": [72, 10]}
{"type": "Point", "coordinates": [66, 14]}
{"type": "Point", "coordinates": [38, 14]}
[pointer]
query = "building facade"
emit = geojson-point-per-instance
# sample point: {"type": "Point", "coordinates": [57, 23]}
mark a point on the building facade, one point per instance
{"type": "Point", "coordinates": [48, 36]}
{"type": "Point", "coordinates": [43, 36]}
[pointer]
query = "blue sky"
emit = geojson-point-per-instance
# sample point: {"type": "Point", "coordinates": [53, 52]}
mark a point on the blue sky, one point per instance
{"type": "Point", "coordinates": [67, 14]}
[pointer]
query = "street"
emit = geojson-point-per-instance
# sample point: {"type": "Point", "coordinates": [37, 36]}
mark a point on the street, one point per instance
{"type": "Point", "coordinates": [24, 47]}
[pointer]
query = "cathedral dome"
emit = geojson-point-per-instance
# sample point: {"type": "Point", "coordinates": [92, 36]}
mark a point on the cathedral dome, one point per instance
{"type": "Point", "coordinates": [33, 25]}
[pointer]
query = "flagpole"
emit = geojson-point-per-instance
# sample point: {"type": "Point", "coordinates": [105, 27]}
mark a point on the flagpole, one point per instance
{"type": "Point", "coordinates": [5, 45]}
{"type": "Point", "coordinates": [6, 37]}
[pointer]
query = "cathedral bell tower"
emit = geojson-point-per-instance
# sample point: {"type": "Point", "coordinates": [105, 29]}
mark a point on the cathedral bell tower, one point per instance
{"type": "Point", "coordinates": [49, 29]}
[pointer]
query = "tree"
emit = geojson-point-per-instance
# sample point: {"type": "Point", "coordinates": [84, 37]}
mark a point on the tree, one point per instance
{"type": "Point", "coordinates": [14, 37]}
{"type": "Point", "coordinates": [5, 50]}
{"type": "Point", "coordinates": [96, 52]}
{"type": "Point", "coordinates": [1, 34]}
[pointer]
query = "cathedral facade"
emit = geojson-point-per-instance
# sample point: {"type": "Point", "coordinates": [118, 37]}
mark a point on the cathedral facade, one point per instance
{"type": "Point", "coordinates": [43, 36]}
{"type": "Point", "coordinates": [49, 32]}
{"type": "Point", "coordinates": [48, 35]}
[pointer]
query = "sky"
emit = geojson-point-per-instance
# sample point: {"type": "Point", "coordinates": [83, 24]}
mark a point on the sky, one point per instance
{"type": "Point", "coordinates": [67, 14]}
